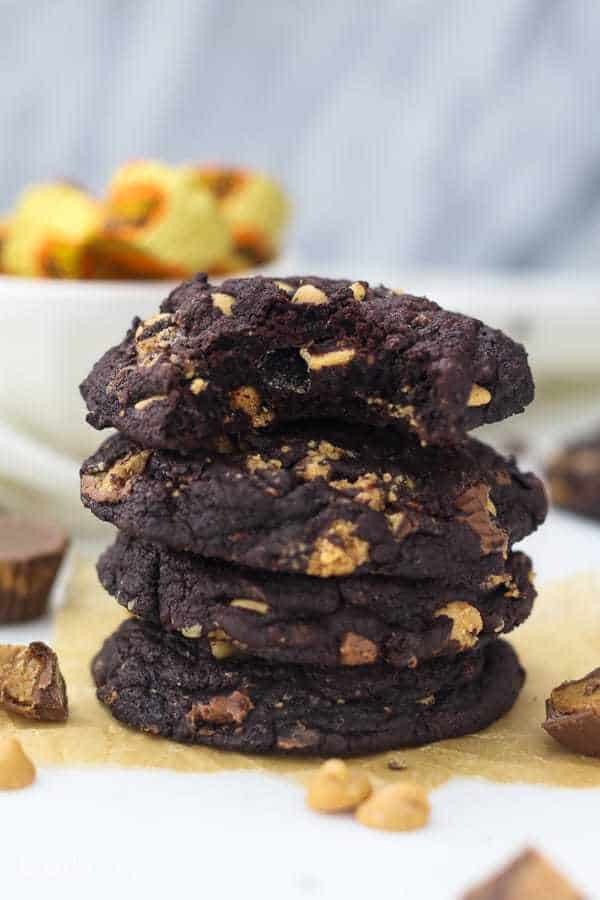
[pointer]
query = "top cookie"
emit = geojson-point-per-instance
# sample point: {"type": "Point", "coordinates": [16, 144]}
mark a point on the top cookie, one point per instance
{"type": "Point", "coordinates": [255, 353]}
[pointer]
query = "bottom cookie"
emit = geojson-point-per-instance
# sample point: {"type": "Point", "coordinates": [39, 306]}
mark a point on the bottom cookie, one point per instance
{"type": "Point", "coordinates": [160, 683]}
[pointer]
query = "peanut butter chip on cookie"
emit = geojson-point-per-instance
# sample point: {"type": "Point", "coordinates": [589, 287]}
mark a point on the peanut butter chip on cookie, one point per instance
{"type": "Point", "coordinates": [316, 361]}
{"type": "Point", "coordinates": [338, 552]}
{"type": "Point", "coordinates": [358, 290]}
{"type": "Point", "coordinates": [223, 302]}
{"type": "Point", "coordinates": [148, 401]}
{"type": "Point", "coordinates": [479, 396]}
{"type": "Point", "coordinates": [310, 295]}
{"type": "Point", "coordinates": [247, 399]}
{"type": "Point", "coordinates": [198, 385]}
{"type": "Point", "coordinates": [467, 623]}
{"type": "Point", "coordinates": [257, 606]}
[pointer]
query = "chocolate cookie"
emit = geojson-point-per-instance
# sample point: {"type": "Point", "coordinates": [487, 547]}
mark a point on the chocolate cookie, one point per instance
{"type": "Point", "coordinates": [256, 353]}
{"type": "Point", "coordinates": [323, 500]}
{"type": "Point", "coordinates": [164, 684]}
{"type": "Point", "coordinates": [574, 477]}
{"type": "Point", "coordinates": [313, 621]}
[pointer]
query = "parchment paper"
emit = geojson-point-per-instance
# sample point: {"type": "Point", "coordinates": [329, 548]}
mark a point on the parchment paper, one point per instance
{"type": "Point", "coordinates": [560, 641]}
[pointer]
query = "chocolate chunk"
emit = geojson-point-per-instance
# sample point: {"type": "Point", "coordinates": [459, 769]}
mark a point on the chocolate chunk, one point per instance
{"type": "Point", "coordinates": [31, 683]}
{"type": "Point", "coordinates": [573, 714]}
{"type": "Point", "coordinates": [31, 552]}
{"type": "Point", "coordinates": [529, 877]}
{"type": "Point", "coordinates": [256, 353]}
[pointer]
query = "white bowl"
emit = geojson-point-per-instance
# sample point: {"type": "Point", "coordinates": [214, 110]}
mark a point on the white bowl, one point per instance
{"type": "Point", "coordinates": [51, 333]}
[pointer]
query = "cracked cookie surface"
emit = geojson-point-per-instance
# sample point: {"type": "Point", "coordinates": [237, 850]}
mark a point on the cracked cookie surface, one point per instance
{"type": "Point", "coordinates": [257, 353]}
{"type": "Point", "coordinates": [323, 501]}
{"type": "Point", "coordinates": [298, 619]}
{"type": "Point", "coordinates": [162, 684]}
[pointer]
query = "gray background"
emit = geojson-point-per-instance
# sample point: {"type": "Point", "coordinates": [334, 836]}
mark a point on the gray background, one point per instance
{"type": "Point", "coordinates": [423, 133]}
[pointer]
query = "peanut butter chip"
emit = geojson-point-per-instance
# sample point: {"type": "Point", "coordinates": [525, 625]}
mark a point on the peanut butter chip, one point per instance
{"type": "Point", "coordinates": [284, 286]}
{"type": "Point", "coordinates": [336, 787]}
{"type": "Point", "coordinates": [16, 769]}
{"type": "Point", "coordinates": [316, 361]}
{"type": "Point", "coordinates": [479, 396]}
{"type": "Point", "coordinates": [256, 463]}
{"type": "Point", "coordinates": [149, 346]}
{"type": "Point", "coordinates": [467, 623]}
{"type": "Point", "coordinates": [366, 489]}
{"type": "Point", "coordinates": [257, 606]}
{"type": "Point", "coordinates": [399, 524]}
{"type": "Point", "coordinates": [247, 399]}
{"type": "Point", "coordinates": [198, 385]}
{"type": "Point", "coordinates": [220, 645]}
{"type": "Point", "coordinates": [223, 302]}
{"type": "Point", "coordinates": [148, 401]}
{"type": "Point", "coordinates": [192, 631]}
{"type": "Point", "coordinates": [429, 700]}
{"type": "Point", "coordinates": [310, 295]}
{"type": "Point", "coordinates": [315, 464]}
{"type": "Point", "coordinates": [358, 290]}
{"type": "Point", "coordinates": [395, 807]}
{"type": "Point", "coordinates": [338, 552]}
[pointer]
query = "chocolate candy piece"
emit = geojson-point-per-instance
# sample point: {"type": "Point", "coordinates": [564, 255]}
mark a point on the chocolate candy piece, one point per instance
{"type": "Point", "coordinates": [31, 683]}
{"type": "Point", "coordinates": [574, 477]}
{"type": "Point", "coordinates": [164, 684]}
{"type": "Point", "coordinates": [303, 620]}
{"type": "Point", "coordinates": [259, 353]}
{"type": "Point", "coordinates": [529, 877]}
{"type": "Point", "coordinates": [31, 552]}
{"type": "Point", "coordinates": [573, 714]}
{"type": "Point", "coordinates": [325, 501]}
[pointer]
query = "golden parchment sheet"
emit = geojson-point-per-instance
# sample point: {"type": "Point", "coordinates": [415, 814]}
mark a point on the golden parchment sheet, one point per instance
{"type": "Point", "coordinates": [560, 641]}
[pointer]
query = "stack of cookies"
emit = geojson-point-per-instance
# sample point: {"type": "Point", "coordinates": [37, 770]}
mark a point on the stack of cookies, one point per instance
{"type": "Point", "coordinates": [317, 557]}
